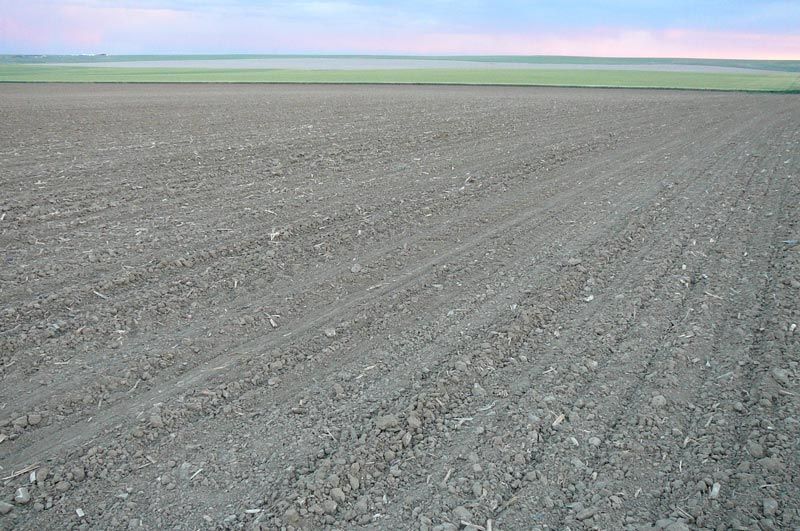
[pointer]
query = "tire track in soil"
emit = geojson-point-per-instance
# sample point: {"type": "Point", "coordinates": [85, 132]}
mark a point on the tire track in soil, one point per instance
{"type": "Point", "coordinates": [623, 282]}
{"type": "Point", "coordinates": [416, 286]}
{"type": "Point", "coordinates": [194, 378]}
{"type": "Point", "coordinates": [104, 289]}
{"type": "Point", "coordinates": [427, 235]}
{"type": "Point", "coordinates": [636, 399]}
{"type": "Point", "coordinates": [131, 279]}
{"type": "Point", "coordinates": [101, 287]}
{"type": "Point", "coordinates": [721, 444]}
{"type": "Point", "coordinates": [136, 278]}
{"type": "Point", "coordinates": [638, 390]}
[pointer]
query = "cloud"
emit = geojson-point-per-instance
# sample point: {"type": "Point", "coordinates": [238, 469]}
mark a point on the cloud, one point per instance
{"type": "Point", "coordinates": [327, 8]}
{"type": "Point", "coordinates": [86, 28]}
{"type": "Point", "coordinates": [385, 26]}
{"type": "Point", "coordinates": [606, 42]}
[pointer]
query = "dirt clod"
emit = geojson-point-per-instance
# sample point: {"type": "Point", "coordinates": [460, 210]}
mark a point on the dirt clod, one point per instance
{"type": "Point", "coordinates": [462, 514]}
{"type": "Point", "coordinates": [386, 422]}
{"type": "Point", "coordinates": [769, 506]}
{"type": "Point", "coordinates": [658, 401]}
{"type": "Point", "coordinates": [22, 496]}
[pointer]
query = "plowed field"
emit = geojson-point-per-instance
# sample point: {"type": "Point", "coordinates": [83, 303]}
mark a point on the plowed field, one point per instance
{"type": "Point", "coordinates": [398, 308]}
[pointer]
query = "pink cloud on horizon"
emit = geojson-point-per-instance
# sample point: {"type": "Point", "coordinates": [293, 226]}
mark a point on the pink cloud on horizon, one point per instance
{"type": "Point", "coordinates": [605, 42]}
{"type": "Point", "coordinates": [82, 28]}
{"type": "Point", "coordinates": [91, 28]}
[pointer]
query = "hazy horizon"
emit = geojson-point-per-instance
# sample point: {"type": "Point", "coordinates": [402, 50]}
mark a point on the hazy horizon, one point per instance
{"type": "Point", "coordinates": [100, 53]}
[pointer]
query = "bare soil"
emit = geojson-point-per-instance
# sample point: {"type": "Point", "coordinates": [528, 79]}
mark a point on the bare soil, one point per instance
{"type": "Point", "coordinates": [398, 308]}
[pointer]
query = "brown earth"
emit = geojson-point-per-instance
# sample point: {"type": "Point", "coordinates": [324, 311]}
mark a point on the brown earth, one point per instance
{"type": "Point", "coordinates": [398, 308]}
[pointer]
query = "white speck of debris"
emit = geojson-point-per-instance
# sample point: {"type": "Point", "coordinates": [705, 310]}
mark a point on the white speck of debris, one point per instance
{"type": "Point", "coordinates": [80, 512]}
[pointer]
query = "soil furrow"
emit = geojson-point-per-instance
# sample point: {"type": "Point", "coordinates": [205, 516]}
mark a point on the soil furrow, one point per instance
{"type": "Point", "coordinates": [398, 307]}
{"type": "Point", "coordinates": [185, 381]}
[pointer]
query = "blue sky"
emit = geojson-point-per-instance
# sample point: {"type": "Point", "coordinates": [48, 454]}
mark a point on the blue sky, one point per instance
{"type": "Point", "coordinates": [713, 28]}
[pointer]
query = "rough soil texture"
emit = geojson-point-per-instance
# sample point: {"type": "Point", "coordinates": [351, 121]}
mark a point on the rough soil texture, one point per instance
{"type": "Point", "coordinates": [398, 308]}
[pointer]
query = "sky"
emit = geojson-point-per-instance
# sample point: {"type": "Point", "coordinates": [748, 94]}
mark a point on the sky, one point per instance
{"type": "Point", "coordinates": [741, 29]}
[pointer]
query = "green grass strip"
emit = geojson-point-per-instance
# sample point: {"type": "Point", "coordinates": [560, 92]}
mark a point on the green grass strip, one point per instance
{"type": "Point", "coordinates": [767, 81]}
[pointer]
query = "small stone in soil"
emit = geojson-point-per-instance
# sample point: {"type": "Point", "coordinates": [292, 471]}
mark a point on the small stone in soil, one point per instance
{"type": "Point", "coordinates": [658, 401]}
{"type": "Point", "coordinates": [387, 421]}
{"type": "Point", "coordinates": [329, 506]}
{"type": "Point", "coordinates": [770, 506]}
{"type": "Point", "coordinates": [338, 495]}
{"type": "Point", "coordinates": [22, 496]}
{"type": "Point", "coordinates": [462, 514]}
{"type": "Point", "coordinates": [291, 515]}
{"type": "Point", "coordinates": [781, 376]}
{"type": "Point", "coordinates": [755, 449]}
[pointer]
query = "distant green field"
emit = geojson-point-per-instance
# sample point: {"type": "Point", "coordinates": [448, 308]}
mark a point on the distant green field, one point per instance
{"type": "Point", "coordinates": [776, 65]}
{"type": "Point", "coordinates": [764, 81]}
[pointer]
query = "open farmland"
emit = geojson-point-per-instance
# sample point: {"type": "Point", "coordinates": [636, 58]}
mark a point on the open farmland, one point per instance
{"type": "Point", "coordinates": [224, 306]}
{"type": "Point", "coordinates": [619, 76]}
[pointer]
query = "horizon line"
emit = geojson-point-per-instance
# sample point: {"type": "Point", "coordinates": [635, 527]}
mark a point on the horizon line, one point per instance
{"type": "Point", "coordinates": [378, 54]}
